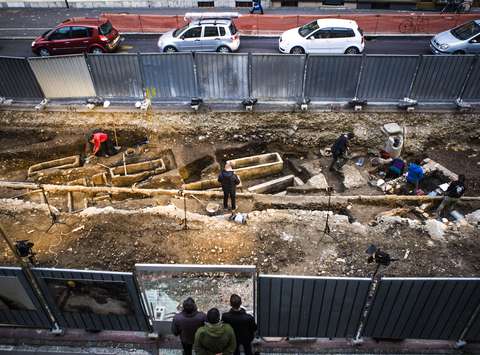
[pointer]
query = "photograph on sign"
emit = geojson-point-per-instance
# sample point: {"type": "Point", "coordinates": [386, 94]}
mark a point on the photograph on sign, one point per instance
{"type": "Point", "coordinates": [13, 295]}
{"type": "Point", "coordinates": [91, 296]}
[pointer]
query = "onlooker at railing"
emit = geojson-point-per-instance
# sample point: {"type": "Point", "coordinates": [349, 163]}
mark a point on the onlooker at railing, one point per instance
{"type": "Point", "coordinates": [186, 323]}
{"type": "Point", "coordinates": [215, 337]}
{"type": "Point", "coordinates": [243, 325]}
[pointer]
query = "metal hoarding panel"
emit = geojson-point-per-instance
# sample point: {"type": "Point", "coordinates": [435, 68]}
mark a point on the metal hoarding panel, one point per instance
{"type": "Point", "coordinates": [19, 305]}
{"type": "Point", "coordinates": [473, 333]}
{"type": "Point", "coordinates": [168, 76]}
{"type": "Point", "coordinates": [386, 78]}
{"type": "Point", "coordinates": [310, 307]}
{"type": "Point", "coordinates": [332, 77]}
{"type": "Point", "coordinates": [95, 300]}
{"type": "Point", "coordinates": [441, 78]}
{"type": "Point", "coordinates": [63, 77]}
{"type": "Point", "coordinates": [222, 76]}
{"type": "Point", "coordinates": [472, 88]}
{"type": "Point", "coordinates": [422, 308]}
{"type": "Point", "coordinates": [277, 77]}
{"type": "Point", "coordinates": [116, 75]}
{"type": "Point", "coordinates": [17, 80]}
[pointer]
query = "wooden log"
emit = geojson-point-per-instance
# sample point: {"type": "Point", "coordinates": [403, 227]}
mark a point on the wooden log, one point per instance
{"type": "Point", "coordinates": [267, 200]}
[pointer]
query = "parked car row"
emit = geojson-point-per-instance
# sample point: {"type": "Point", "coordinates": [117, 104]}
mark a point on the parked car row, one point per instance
{"type": "Point", "coordinates": [211, 32]}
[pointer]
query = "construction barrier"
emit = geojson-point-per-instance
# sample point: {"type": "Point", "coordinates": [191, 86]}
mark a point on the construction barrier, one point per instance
{"type": "Point", "coordinates": [371, 24]}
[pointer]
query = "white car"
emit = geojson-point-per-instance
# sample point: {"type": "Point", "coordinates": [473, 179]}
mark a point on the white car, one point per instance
{"type": "Point", "coordinates": [323, 36]}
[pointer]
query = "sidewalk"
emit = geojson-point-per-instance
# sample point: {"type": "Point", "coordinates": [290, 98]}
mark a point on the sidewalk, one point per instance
{"type": "Point", "coordinates": [28, 22]}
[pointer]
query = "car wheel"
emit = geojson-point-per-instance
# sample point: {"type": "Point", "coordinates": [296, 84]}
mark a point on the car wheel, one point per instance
{"type": "Point", "coordinates": [44, 52]}
{"type": "Point", "coordinates": [223, 49]}
{"type": "Point", "coordinates": [170, 49]}
{"type": "Point", "coordinates": [297, 50]}
{"type": "Point", "coordinates": [352, 50]}
{"type": "Point", "coordinates": [459, 52]}
{"type": "Point", "coordinates": [96, 50]}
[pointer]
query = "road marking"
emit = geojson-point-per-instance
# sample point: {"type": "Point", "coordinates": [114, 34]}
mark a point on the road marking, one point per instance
{"type": "Point", "coordinates": [25, 28]}
{"type": "Point", "coordinates": [126, 47]}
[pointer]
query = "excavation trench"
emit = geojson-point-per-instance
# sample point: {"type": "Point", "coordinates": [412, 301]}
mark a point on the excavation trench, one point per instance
{"type": "Point", "coordinates": [130, 207]}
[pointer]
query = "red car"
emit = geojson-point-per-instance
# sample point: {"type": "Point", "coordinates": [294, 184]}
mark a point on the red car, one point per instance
{"type": "Point", "coordinates": [78, 35]}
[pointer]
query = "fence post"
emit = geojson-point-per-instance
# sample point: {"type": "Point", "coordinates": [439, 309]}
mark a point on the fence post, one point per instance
{"type": "Point", "coordinates": [460, 343]}
{"type": "Point", "coordinates": [467, 77]}
{"type": "Point", "coordinates": [142, 77]}
{"type": "Point", "coordinates": [33, 282]}
{"type": "Point", "coordinates": [368, 305]}
{"type": "Point", "coordinates": [195, 74]}
{"type": "Point", "coordinates": [249, 75]}
{"type": "Point", "coordinates": [360, 72]}
{"type": "Point", "coordinates": [410, 89]}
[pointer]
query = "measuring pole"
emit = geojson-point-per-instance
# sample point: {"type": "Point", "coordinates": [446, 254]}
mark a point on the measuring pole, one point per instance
{"type": "Point", "coordinates": [33, 281]}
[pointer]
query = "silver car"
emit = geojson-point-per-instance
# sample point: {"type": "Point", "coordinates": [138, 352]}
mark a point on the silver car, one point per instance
{"type": "Point", "coordinates": [459, 40]}
{"type": "Point", "coordinates": [207, 35]}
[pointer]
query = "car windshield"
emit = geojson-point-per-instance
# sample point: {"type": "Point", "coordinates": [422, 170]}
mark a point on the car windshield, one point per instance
{"type": "Point", "coordinates": [179, 30]}
{"type": "Point", "coordinates": [106, 28]}
{"type": "Point", "coordinates": [304, 31]}
{"type": "Point", "coordinates": [466, 30]}
{"type": "Point", "coordinates": [44, 35]}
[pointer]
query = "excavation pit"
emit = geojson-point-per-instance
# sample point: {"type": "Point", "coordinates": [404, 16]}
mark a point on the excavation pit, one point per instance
{"type": "Point", "coordinates": [114, 229]}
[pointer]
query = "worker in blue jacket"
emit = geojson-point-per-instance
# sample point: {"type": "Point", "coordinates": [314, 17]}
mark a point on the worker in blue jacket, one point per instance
{"type": "Point", "coordinates": [415, 173]}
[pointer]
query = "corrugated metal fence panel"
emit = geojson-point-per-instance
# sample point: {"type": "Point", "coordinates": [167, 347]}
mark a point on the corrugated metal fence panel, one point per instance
{"type": "Point", "coordinates": [441, 77]}
{"type": "Point", "coordinates": [310, 306]}
{"type": "Point", "coordinates": [222, 76]}
{"type": "Point", "coordinates": [168, 76]}
{"type": "Point", "coordinates": [63, 77]}
{"type": "Point", "coordinates": [126, 314]}
{"type": "Point", "coordinates": [332, 77]}
{"type": "Point", "coordinates": [116, 75]}
{"type": "Point", "coordinates": [17, 80]}
{"type": "Point", "coordinates": [23, 307]}
{"type": "Point", "coordinates": [472, 89]}
{"type": "Point", "coordinates": [276, 77]}
{"type": "Point", "coordinates": [386, 78]}
{"type": "Point", "coordinates": [422, 308]}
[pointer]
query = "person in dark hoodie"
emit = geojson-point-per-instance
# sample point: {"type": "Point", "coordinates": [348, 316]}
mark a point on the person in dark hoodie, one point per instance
{"type": "Point", "coordinates": [215, 337]}
{"type": "Point", "coordinates": [186, 323]}
{"type": "Point", "coordinates": [229, 182]}
{"type": "Point", "coordinates": [243, 325]}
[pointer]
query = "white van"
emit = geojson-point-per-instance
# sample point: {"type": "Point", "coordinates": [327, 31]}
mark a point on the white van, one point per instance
{"type": "Point", "coordinates": [332, 36]}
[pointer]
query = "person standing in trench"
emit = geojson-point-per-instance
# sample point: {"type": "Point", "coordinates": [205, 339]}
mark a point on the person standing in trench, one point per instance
{"type": "Point", "coordinates": [229, 182]}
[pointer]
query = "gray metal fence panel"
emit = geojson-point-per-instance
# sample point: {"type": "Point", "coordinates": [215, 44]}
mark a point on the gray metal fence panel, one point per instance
{"type": "Point", "coordinates": [441, 78]}
{"type": "Point", "coordinates": [386, 78]}
{"type": "Point", "coordinates": [310, 306]}
{"type": "Point", "coordinates": [63, 77]}
{"type": "Point", "coordinates": [168, 76]}
{"type": "Point", "coordinates": [277, 77]}
{"type": "Point", "coordinates": [422, 308]}
{"type": "Point", "coordinates": [332, 77]}
{"type": "Point", "coordinates": [222, 76]}
{"type": "Point", "coordinates": [116, 75]}
{"type": "Point", "coordinates": [20, 305]}
{"type": "Point", "coordinates": [97, 300]}
{"type": "Point", "coordinates": [17, 80]}
{"type": "Point", "coordinates": [472, 88]}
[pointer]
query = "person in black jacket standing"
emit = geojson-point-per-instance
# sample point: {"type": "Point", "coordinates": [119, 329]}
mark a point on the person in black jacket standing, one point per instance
{"type": "Point", "coordinates": [186, 323]}
{"type": "Point", "coordinates": [340, 150]}
{"type": "Point", "coordinates": [229, 182]}
{"type": "Point", "coordinates": [243, 325]}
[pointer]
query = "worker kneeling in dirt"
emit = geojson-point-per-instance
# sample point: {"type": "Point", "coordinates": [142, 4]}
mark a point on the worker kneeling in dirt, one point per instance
{"type": "Point", "coordinates": [455, 190]}
{"type": "Point", "coordinates": [339, 151]}
{"type": "Point", "coordinates": [102, 145]}
{"type": "Point", "coordinates": [229, 182]}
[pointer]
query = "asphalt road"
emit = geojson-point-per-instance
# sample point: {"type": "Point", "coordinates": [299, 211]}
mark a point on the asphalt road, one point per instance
{"type": "Point", "coordinates": [148, 44]}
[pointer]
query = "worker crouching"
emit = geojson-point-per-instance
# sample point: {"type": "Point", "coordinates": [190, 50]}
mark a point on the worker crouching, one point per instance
{"type": "Point", "coordinates": [102, 145]}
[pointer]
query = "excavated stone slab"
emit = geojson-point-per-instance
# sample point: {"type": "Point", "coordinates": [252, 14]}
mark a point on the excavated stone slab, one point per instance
{"type": "Point", "coordinates": [257, 166]}
{"type": "Point", "coordinates": [129, 174]}
{"type": "Point", "coordinates": [430, 165]}
{"type": "Point", "coordinates": [352, 177]}
{"type": "Point", "coordinates": [62, 163]}
{"type": "Point", "coordinates": [318, 181]}
{"type": "Point", "coordinates": [273, 186]}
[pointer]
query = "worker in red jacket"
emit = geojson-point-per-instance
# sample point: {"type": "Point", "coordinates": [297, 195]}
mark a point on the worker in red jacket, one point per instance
{"type": "Point", "coordinates": [102, 145]}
